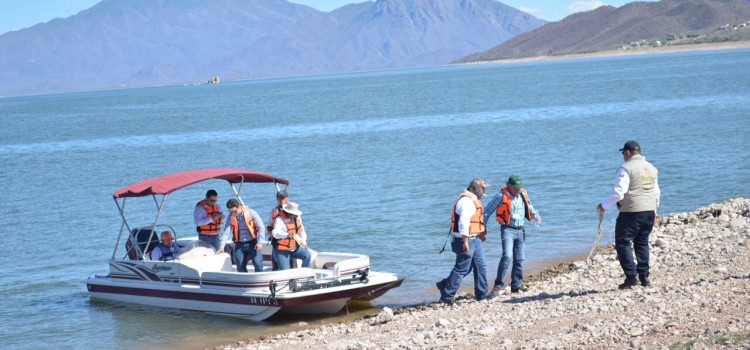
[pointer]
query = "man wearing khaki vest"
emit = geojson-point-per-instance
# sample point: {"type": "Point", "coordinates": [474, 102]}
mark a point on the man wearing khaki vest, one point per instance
{"type": "Point", "coordinates": [636, 193]}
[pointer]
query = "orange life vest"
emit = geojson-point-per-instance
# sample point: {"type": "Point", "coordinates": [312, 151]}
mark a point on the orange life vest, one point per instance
{"type": "Point", "coordinates": [214, 226]}
{"type": "Point", "coordinates": [249, 222]}
{"type": "Point", "coordinates": [292, 227]}
{"type": "Point", "coordinates": [477, 220]}
{"type": "Point", "coordinates": [274, 215]}
{"type": "Point", "coordinates": [503, 210]}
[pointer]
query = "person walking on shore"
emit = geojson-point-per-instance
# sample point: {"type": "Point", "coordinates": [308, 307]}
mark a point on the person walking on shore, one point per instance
{"type": "Point", "coordinates": [511, 208]}
{"type": "Point", "coordinates": [636, 193]}
{"type": "Point", "coordinates": [467, 225]}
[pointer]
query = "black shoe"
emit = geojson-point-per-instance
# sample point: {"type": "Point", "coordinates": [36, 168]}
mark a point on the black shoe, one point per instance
{"type": "Point", "coordinates": [440, 285]}
{"type": "Point", "coordinates": [447, 301]}
{"type": "Point", "coordinates": [629, 282]}
{"type": "Point", "coordinates": [519, 289]}
{"type": "Point", "coordinates": [644, 281]}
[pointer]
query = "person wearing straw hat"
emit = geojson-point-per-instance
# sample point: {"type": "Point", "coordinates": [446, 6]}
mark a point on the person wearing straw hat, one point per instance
{"type": "Point", "coordinates": [511, 208]}
{"type": "Point", "coordinates": [636, 193]}
{"type": "Point", "coordinates": [290, 238]}
{"type": "Point", "coordinates": [467, 225]}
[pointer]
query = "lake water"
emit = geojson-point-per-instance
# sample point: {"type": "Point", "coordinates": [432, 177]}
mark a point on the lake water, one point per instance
{"type": "Point", "coordinates": [375, 160]}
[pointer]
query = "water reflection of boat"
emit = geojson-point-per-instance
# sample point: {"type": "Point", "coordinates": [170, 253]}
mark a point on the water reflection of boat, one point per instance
{"type": "Point", "coordinates": [199, 279]}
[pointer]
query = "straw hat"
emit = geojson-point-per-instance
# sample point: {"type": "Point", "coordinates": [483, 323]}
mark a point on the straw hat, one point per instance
{"type": "Point", "coordinates": [292, 208]}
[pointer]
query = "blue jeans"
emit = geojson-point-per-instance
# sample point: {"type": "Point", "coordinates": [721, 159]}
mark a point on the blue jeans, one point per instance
{"type": "Point", "coordinates": [633, 227]}
{"type": "Point", "coordinates": [212, 240]}
{"type": "Point", "coordinates": [513, 246]}
{"type": "Point", "coordinates": [465, 261]}
{"type": "Point", "coordinates": [283, 257]}
{"type": "Point", "coordinates": [246, 251]}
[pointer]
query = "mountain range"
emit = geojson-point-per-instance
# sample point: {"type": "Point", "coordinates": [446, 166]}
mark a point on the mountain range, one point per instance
{"type": "Point", "coordinates": [608, 27]}
{"type": "Point", "coordinates": [124, 43]}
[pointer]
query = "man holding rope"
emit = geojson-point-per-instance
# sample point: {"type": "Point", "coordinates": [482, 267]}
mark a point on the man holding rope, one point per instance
{"type": "Point", "coordinates": [636, 193]}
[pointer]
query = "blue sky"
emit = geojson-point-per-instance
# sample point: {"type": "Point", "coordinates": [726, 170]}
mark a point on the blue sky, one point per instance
{"type": "Point", "coordinates": [19, 14]}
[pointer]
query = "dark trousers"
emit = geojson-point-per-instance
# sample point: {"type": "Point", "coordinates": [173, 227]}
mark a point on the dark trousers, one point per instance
{"type": "Point", "coordinates": [633, 228]}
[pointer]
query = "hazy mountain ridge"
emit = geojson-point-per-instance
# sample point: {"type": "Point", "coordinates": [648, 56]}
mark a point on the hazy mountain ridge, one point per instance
{"type": "Point", "coordinates": [608, 27]}
{"type": "Point", "coordinates": [132, 43]}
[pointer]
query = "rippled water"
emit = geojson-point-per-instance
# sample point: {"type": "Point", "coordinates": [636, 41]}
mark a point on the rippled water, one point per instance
{"type": "Point", "coordinates": [375, 160]}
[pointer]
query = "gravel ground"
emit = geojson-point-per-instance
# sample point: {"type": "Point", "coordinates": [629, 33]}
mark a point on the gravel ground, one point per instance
{"type": "Point", "coordinates": [699, 298]}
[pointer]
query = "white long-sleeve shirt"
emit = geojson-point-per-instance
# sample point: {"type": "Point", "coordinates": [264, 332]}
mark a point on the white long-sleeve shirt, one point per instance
{"type": "Point", "coordinates": [280, 231]}
{"type": "Point", "coordinates": [465, 209]}
{"type": "Point", "coordinates": [622, 183]}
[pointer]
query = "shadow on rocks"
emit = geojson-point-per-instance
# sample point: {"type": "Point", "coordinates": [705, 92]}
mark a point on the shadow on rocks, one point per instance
{"type": "Point", "coordinates": [545, 296]}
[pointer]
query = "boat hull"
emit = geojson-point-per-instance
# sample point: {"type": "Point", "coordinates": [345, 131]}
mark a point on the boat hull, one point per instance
{"type": "Point", "coordinates": [245, 295]}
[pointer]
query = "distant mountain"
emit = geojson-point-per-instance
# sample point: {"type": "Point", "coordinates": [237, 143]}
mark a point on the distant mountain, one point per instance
{"type": "Point", "coordinates": [385, 34]}
{"type": "Point", "coordinates": [608, 27]}
{"type": "Point", "coordinates": [134, 43]}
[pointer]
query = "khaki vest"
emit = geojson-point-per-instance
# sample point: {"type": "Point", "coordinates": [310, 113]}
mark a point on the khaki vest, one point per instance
{"type": "Point", "coordinates": [641, 195]}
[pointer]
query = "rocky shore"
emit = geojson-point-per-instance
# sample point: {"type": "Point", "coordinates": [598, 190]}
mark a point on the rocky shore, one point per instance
{"type": "Point", "coordinates": [699, 298]}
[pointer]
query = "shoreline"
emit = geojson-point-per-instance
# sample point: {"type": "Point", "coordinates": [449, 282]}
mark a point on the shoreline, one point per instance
{"type": "Point", "coordinates": [732, 45]}
{"type": "Point", "coordinates": [700, 295]}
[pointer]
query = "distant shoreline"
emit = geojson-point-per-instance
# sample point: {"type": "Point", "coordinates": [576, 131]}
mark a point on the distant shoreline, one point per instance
{"type": "Point", "coordinates": [629, 52]}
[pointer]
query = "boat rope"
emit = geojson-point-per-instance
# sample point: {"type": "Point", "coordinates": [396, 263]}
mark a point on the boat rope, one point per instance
{"type": "Point", "coordinates": [598, 236]}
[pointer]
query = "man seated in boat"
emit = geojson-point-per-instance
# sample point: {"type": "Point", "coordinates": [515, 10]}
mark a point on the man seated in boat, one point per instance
{"type": "Point", "coordinates": [291, 238]}
{"type": "Point", "coordinates": [248, 233]}
{"type": "Point", "coordinates": [166, 250]}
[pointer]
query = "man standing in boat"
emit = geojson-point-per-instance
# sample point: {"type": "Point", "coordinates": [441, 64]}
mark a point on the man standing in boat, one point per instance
{"type": "Point", "coordinates": [208, 217]}
{"type": "Point", "coordinates": [467, 225]}
{"type": "Point", "coordinates": [246, 229]}
{"type": "Point", "coordinates": [291, 238]}
{"type": "Point", "coordinates": [636, 193]}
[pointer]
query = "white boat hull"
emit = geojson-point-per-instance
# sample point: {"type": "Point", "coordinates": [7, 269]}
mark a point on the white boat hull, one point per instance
{"type": "Point", "coordinates": [211, 284]}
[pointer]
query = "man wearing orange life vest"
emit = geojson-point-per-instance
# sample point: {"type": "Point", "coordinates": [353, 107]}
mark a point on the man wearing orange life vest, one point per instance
{"type": "Point", "coordinates": [245, 227]}
{"type": "Point", "coordinates": [511, 207]}
{"type": "Point", "coordinates": [290, 238]}
{"type": "Point", "coordinates": [282, 197]}
{"type": "Point", "coordinates": [208, 217]}
{"type": "Point", "coordinates": [467, 225]}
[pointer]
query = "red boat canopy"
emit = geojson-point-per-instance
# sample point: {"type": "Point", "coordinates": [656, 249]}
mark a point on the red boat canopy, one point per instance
{"type": "Point", "coordinates": [170, 183]}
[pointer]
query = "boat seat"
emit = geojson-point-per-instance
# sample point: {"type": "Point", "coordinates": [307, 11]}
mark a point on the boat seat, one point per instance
{"type": "Point", "coordinates": [141, 237]}
{"type": "Point", "coordinates": [210, 263]}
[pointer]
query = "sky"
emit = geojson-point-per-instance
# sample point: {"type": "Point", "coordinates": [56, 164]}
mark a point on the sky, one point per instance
{"type": "Point", "coordinates": [19, 14]}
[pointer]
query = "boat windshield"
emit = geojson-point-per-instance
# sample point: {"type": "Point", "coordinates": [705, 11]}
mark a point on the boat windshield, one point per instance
{"type": "Point", "coordinates": [193, 244]}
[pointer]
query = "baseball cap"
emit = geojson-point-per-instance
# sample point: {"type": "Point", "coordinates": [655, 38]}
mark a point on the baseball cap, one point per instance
{"type": "Point", "coordinates": [630, 146]}
{"type": "Point", "coordinates": [515, 181]}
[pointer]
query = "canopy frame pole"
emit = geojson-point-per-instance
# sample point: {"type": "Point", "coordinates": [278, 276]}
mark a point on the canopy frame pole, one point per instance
{"type": "Point", "coordinates": [121, 210]}
{"type": "Point", "coordinates": [237, 191]}
{"type": "Point", "coordinates": [160, 208]}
